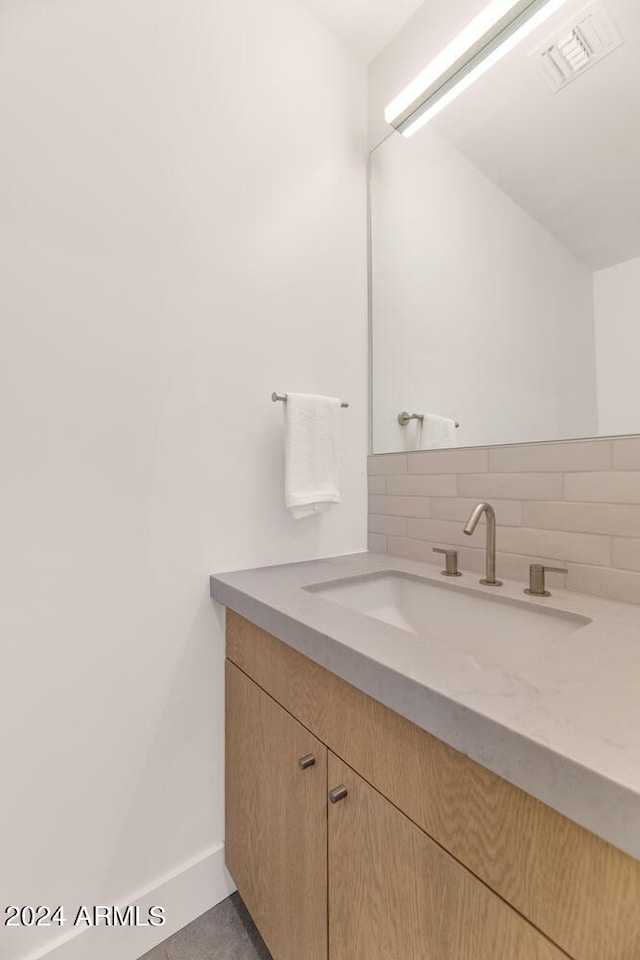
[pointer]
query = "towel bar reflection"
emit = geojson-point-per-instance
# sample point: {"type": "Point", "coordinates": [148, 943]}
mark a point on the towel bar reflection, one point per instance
{"type": "Point", "coordinates": [283, 398]}
{"type": "Point", "coordinates": [404, 418]}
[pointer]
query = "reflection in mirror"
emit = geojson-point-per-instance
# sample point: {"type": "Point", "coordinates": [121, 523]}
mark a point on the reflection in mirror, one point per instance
{"type": "Point", "coordinates": [506, 248]}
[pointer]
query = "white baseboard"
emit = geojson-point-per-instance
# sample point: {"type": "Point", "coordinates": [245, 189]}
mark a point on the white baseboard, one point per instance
{"type": "Point", "coordinates": [186, 893]}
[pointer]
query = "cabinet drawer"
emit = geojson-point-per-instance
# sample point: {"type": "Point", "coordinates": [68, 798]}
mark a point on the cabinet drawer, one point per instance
{"type": "Point", "coordinates": [579, 890]}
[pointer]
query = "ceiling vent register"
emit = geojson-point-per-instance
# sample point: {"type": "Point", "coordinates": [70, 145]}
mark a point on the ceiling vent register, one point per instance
{"type": "Point", "coordinates": [580, 45]}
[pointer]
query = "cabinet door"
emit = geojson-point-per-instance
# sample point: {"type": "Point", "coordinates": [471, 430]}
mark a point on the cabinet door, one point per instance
{"type": "Point", "coordinates": [276, 820]}
{"type": "Point", "coordinates": [394, 894]}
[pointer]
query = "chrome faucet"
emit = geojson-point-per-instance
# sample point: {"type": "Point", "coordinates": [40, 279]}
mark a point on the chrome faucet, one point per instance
{"type": "Point", "coordinates": [470, 526]}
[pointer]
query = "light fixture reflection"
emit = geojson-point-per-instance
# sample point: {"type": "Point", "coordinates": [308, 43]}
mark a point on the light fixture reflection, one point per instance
{"type": "Point", "coordinates": [482, 43]}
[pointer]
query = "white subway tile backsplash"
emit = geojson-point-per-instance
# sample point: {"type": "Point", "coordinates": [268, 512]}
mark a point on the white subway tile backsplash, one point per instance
{"type": "Point", "coordinates": [551, 457]}
{"type": "Point", "coordinates": [400, 506]}
{"type": "Point", "coordinates": [438, 485]}
{"type": "Point", "coordinates": [579, 547]}
{"type": "Point", "coordinates": [516, 486]}
{"type": "Point", "coordinates": [605, 582]}
{"type": "Point", "coordinates": [389, 526]}
{"type": "Point", "coordinates": [388, 465]}
{"type": "Point", "coordinates": [449, 461]}
{"type": "Point", "coordinates": [376, 543]}
{"type": "Point", "coordinates": [610, 487]}
{"type": "Point", "coordinates": [508, 512]}
{"type": "Point", "coordinates": [411, 549]}
{"type": "Point", "coordinates": [469, 560]}
{"type": "Point", "coordinates": [508, 566]}
{"type": "Point", "coordinates": [473, 560]}
{"type": "Point", "coordinates": [626, 554]}
{"type": "Point", "coordinates": [441, 531]}
{"type": "Point", "coordinates": [574, 504]}
{"type": "Point", "coordinates": [511, 566]}
{"type": "Point", "coordinates": [377, 485]}
{"type": "Point", "coordinates": [626, 453]}
{"type": "Point", "coordinates": [610, 519]}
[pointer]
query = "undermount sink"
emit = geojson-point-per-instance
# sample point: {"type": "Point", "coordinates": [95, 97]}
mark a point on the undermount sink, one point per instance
{"type": "Point", "coordinates": [472, 622]}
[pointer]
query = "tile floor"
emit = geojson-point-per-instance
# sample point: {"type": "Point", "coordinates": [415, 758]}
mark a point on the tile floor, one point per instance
{"type": "Point", "coordinates": [226, 932]}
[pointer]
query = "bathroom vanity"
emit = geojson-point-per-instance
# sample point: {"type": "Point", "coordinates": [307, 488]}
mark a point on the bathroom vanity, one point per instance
{"type": "Point", "coordinates": [392, 797]}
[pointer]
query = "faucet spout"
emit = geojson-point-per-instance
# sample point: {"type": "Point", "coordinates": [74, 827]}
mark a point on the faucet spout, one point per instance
{"type": "Point", "coordinates": [475, 515]}
{"type": "Point", "coordinates": [470, 526]}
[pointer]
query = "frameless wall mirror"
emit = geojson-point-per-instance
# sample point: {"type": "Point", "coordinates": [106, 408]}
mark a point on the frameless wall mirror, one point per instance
{"type": "Point", "coordinates": [505, 246]}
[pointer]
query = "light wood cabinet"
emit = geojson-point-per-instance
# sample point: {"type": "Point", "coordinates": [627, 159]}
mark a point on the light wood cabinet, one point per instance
{"type": "Point", "coordinates": [394, 894]}
{"type": "Point", "coordinates": [276, 821]}
{"type": "Point", "coordinates": [429, 853]}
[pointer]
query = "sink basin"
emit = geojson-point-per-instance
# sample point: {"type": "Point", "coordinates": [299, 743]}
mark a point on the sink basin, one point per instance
{"type": "Point", "coordinates": [472, 622]}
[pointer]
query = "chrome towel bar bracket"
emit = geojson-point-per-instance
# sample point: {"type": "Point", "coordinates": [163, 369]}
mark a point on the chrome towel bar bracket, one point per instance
{"type": "Point", "coordinates": [404, 418]}
{"type": "Point", "coordinates": [282, 397]}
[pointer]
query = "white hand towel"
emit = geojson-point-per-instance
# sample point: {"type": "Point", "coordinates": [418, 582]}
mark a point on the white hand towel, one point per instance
{"type": "Point", "coordinates": [311, 453]}
{"type": "Point", "coordinates": [438, 432]}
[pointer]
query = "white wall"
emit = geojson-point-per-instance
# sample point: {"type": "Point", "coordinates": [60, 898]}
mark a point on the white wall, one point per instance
{"type": "Point", "coordinates": [183, 231]}
{"type": "Point", "coordinates": [616, 294]}
{"type": "Point", "coordinates": [479, 314]}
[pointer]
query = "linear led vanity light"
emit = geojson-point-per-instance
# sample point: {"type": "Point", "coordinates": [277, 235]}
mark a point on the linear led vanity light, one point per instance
{"type": "Point", "coordinates": [488, 38]}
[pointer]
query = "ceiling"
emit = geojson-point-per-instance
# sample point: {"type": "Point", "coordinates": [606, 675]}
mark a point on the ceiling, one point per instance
{"type": "Point", "coordinates": [365, 25]}
{"type": "Point", "coordinates": [571, 158]}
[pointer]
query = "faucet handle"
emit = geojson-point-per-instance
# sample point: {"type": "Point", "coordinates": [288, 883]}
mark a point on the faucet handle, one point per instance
{"type": "Point", "coordinates": [536, 579]}
{"type": "Point", "coordinates": [451, 569]}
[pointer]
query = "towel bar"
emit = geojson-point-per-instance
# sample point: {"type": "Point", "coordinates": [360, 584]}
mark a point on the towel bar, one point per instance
{"type": "Point", "coordinates": [283, 397]}
{"type": "Point", "coordinates": [404, 417]}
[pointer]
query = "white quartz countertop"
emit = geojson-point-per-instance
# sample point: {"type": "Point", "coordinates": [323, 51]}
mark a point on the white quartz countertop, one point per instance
{"type": "Point", "coordinates": [562, 724]}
